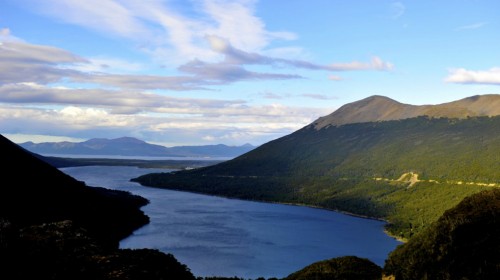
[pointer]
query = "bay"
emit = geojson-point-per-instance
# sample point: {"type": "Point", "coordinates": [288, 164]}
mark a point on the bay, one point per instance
{"type": "Point", "coordinates": [217, 236]}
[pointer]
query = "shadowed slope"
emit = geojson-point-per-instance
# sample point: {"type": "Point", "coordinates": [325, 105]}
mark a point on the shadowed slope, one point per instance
{"type": "Point", "coordinates": [33, 192]}
{"type": "Point", "coordinates": [463, 244]}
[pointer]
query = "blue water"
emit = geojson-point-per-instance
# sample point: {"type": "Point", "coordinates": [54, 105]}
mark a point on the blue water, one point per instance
{"type": "Point", "coordinates": [217, 236]}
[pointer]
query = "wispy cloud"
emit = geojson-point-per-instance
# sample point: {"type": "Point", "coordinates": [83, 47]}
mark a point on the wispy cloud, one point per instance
{"type": "Point", "coordinates": [23, 62]}
{"type": "Point", "coordinates": [170, 33]}
{"type": "Point", "coordinates": [464, 76]}
{"type": "Point", "coordinates": [236, 56]}
{"type": "Point", "coordinates": [270, 95]}
{"type": "Point", "coordinates": [38, 94]}
{"type": "Point", "coordinates": [397, 10]}
{"type": "Point", "coordinates": [335, 78]}
{"type": "Point", "coordinates": [28, 63]}
{"type": "Point", "coordinates": [319, 96]}
{"type": "Point", "coordinates": [471, 26]}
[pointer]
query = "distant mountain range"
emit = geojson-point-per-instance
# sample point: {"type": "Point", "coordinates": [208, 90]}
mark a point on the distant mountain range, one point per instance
{"type": "Point", "coordinates": [129, 146]}
{"type": "Point", "coordinates": [375, 157]}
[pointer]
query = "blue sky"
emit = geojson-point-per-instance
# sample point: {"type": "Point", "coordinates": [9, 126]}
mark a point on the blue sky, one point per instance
{"type": "Point", "coordinates": [198, 72]}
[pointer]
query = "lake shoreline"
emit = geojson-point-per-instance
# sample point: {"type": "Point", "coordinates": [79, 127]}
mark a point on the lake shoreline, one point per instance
{"type": "Point", "coordinates": [400, 239]}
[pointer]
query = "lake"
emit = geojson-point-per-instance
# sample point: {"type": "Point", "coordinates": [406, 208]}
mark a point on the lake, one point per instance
{"type": "Point", "coordinates": [217, 236]}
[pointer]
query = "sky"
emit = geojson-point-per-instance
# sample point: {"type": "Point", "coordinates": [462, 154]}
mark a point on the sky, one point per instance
{"type": "Point", "coordinates": [202, 72]}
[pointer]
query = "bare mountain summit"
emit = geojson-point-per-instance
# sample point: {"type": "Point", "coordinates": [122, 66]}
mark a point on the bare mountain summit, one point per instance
{"type": "Point", "coordinates": [380, 108]}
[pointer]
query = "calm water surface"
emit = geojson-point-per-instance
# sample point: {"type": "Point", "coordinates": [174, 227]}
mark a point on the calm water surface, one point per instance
{"type": "Point", "coordinates": [228, 237]}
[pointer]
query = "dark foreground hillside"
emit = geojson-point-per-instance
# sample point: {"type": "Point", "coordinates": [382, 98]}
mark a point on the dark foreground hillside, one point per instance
{"type": "Point", "coordinates": [54, 227]}
{"type": "Point", "coordinates": [33, 192]}
{"type": "Point", "coordinates": [463, 244]}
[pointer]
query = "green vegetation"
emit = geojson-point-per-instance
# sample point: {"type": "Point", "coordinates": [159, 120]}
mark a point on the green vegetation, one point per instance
{"type": "Point", "coordinates": [463, 244]}
{"type": "Point", "coordinates": [354, 168]}
{"type": "Point", "coordinates": [344, 268]}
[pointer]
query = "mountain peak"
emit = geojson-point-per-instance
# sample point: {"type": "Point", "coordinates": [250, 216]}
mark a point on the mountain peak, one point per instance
{"type": "Point", "coordinates": [380, 108]}
{"type": "Point", "coordinates": [373, 108]}
{"type": "Point", "coordinates": [127, 139]}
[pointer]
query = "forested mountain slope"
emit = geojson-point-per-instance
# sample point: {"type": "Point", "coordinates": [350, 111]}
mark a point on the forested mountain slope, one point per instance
{"type": "Point", "coordinates": [463, 244]}
{"type": "Point", "coordinates": [407, 170]}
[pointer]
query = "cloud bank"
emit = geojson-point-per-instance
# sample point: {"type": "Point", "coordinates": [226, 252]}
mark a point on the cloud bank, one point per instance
{"type": "Point", "coordinates": [464, 76]}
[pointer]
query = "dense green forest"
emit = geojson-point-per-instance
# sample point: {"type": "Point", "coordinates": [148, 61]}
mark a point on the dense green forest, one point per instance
{"type": "Point", "coordinates": [355, 168]}
{"type": "Point", "coordinates": [463, 244]}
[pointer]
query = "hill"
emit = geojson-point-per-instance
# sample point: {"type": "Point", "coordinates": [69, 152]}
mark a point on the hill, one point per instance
{"type": "Point", "coordinates": [129, 146]}
{"type": "Point", "coordinates": [343, 268]}
{"type": "Point", "coordinates": [55, 227]}
{"type": "Point", "coordinates": [463, 244]}
{"type": "Point", "coordinates": [379, 108]}
{"type": "Point", "coordinates": [407, 171]}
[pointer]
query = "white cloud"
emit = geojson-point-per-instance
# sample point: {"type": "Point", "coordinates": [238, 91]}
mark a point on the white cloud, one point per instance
{"type": "Point", "coordinates": [37, 138]}
{"type": "Point", "coordinates": [319, 96]}
{"type": "Point", "coordinates": [471, 26]}
{"type": "Point", "coordinates": [376, 63]}
{"type": "Point", "coordinates": [101, 15]}
{"type": "Point", "coordinates": [335, 78]}
{"type": "Point", "coordinates": [464, 76]}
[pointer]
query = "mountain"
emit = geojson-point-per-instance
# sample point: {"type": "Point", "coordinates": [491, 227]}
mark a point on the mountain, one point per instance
{"type": "Point", "coordinates": [407, 170]}
{"type": "Point", "coordinates": [129, 146]}
{"type": "Point", "coordinates": [379, 108]}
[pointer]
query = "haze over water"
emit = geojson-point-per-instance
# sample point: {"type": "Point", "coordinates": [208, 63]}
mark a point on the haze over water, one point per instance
{"type": "Point", "coordinates": [228, 237]}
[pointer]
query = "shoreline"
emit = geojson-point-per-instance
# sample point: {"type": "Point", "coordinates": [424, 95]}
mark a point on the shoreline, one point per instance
{"type": "Point", "coordinates": [400, 239]}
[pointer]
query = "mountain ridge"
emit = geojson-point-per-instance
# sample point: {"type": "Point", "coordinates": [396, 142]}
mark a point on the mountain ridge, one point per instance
{"type": "Point", "coordinates": [130, 146]}
{"type": "Point", "coordinates": [380, 108]}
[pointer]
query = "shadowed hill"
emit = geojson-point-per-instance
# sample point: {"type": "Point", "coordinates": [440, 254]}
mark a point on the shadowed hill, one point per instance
{"type": "Point", "coordinates": [343, 268]}
{"type": "Point", "coordinates": [463, 244]}
{"type": "Point", "coordinates": [55, 227]}
{"type": "Point", "coordinates": [34, 192]}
